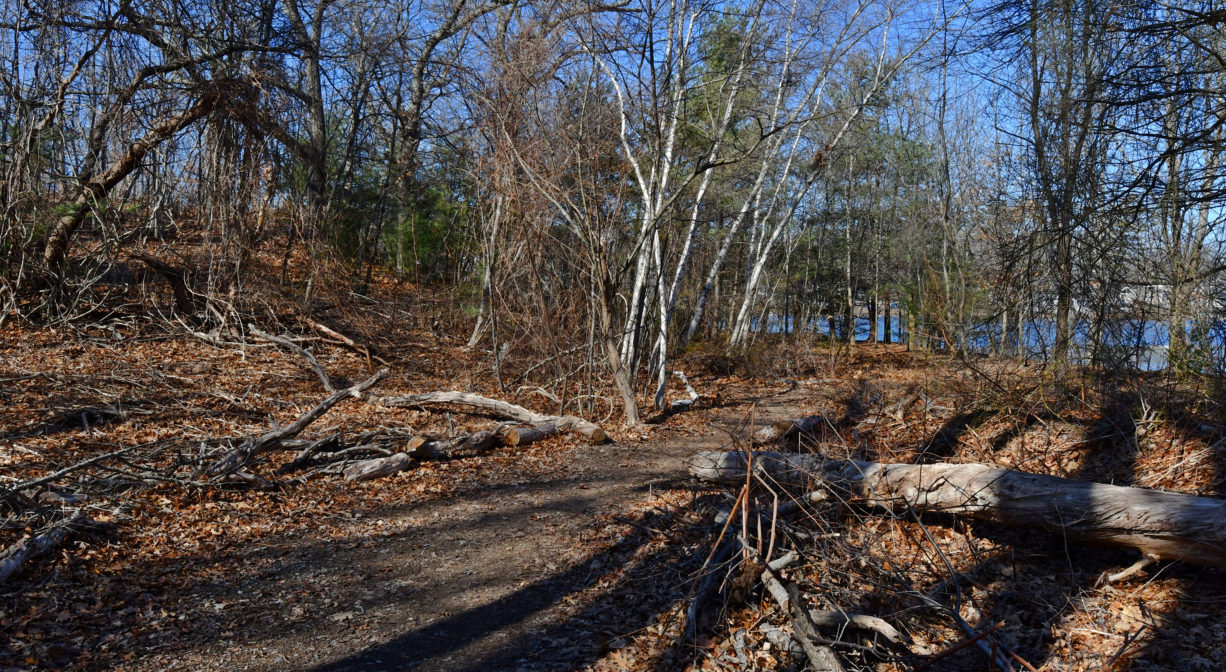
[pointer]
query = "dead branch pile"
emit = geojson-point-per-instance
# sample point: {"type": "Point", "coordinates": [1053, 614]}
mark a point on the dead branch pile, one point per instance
{"type": "Point", "coordinates": [750, 548]}
{"type": "Point", "coordinates": [56, 505]}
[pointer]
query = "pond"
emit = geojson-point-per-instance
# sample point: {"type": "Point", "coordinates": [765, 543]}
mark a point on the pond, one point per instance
{"type": "Point", "coordinates": [1140, 344]}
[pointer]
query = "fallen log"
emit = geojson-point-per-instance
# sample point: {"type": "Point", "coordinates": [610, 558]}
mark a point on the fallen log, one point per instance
{"type": "Point", "coordinates": [444, 449]}
{"type": "Point", "coordinates": [324, 378]}
{"type": "Point", "coordinates": [307, 452]}
{"type": "Point", "coordinates": [1169, 525]}
{"type": "Point", "coordinates": [826, 618]}
{"type": "Point", "coordinates": [422, 448]}
{"type": "Point", "coordinates": [592, 431]}
{"type": "Point", "coordinates": [526, 435]}
{"type": "Point", "coordinates": [820, 657]}
{"type": "Point", "coordinates": [345, 340]}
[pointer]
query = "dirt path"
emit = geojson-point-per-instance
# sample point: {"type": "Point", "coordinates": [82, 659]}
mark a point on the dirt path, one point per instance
{"type": "Point", "coordinates": [528, 567]}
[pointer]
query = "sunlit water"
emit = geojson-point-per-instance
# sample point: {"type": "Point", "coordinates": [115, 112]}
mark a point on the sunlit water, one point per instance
{"type": "Point", "coordinates": [1139, 344]}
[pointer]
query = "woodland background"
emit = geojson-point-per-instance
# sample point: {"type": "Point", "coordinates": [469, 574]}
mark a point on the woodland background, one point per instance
{"type": "Point", "coordinates": [608, 184]}
{"type": "Point", "coordinates": [977, 233]}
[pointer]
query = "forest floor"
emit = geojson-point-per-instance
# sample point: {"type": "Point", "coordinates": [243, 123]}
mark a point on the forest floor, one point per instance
{"type": "Point", "coordinates": [563, 555]}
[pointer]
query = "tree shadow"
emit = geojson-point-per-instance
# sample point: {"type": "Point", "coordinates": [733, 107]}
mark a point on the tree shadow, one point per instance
{"type": "Point", "coordinates": [84, 415]}
{"type": "Point", "coordinates": [944, 442]}
{"type": "Point", "coordinates": [552, 647]}
{"type": "Point", "coordinates": [1054, 596]}
{"type": "Point", "coordinates": [1046, 590]}
{"type": "Point", "coordinates": [286, 593]}
{"type": "Point", "coordinates": [1038, 594]}
{"type": "Point", "coordinates": [1018, 428]}
{"type": "Point", "coordinates": [856, 405]}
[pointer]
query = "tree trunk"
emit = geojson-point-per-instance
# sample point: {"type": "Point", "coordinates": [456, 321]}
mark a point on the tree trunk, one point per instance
{"type": "Point", "coordinates": [889, 327]}
{"type": "Point", "coordinates": [99, 187]}
{"type": "Point", "coordinates": [872, 319]}
{"type": "Point", "coordinates": [316, 146]}
{"type": "Point", "coordinates": [1064, 300]}
{"type": "Point", "coordinates": [1169, 525]}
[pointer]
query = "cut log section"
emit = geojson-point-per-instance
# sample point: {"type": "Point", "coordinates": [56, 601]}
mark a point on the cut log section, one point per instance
{"type": "Point", "coordinates": [592, 431]}
{"type": "Point", "coordinates": [526, 435]}
{"type": "Point", "coordinates": [1169, 525]}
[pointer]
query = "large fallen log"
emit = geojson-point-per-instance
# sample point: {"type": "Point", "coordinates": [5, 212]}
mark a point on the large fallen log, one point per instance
{"type": "Point", "coordinates": [592, 431]}
{"type": "Point", "coordinates": [1169, 525]}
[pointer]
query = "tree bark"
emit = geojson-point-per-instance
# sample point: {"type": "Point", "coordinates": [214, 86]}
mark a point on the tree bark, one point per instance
{"type": "Point", "coordinates": [1169, 525]}
{"type": "Point", "coordinates": [889, 335]}
{"type": "Point", "coordinates": [315, 157]}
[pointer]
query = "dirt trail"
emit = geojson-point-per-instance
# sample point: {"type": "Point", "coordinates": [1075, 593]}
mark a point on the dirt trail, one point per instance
{"type": "Point", "coordinates": [521, 568]}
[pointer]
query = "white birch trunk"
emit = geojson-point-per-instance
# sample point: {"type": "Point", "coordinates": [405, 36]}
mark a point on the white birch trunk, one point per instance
{"type": "Point", "coordinates": [491, 254]}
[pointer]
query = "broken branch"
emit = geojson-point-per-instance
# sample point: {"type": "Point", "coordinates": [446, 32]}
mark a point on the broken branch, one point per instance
{"type": "Point", "coordinates": [592, 431]}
